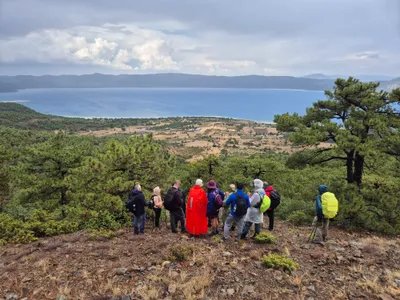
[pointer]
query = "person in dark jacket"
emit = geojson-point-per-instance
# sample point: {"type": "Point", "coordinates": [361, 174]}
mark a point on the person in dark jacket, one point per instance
{"type": "Point", "coordinates": [139, 213]}
{"type": "Point", "coordinates": [176, 213]}
{"type": "Point", "coordinates": [322, 222]}
{"type": "Point", "coordinates": [212, 211]}
{"type": "Point", "coordinates": [270, 212]}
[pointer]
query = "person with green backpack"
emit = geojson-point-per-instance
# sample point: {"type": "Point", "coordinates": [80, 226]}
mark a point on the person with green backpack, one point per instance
{"type": "Point", "coordinates": [259, 203]}
{"type": "Point", "coordinates": [327, 207]}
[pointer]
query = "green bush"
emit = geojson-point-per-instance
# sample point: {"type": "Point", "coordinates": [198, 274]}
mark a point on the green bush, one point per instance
{"type": "Point", "coordinates": [102, 234]}
{"type": "Point", "coordinates": [3, 242]}
{"type": "Point", "coordinates": [101, 220]}
{"type": "Point", "coordinates": [276, 261]}
{"type": "Point", "coordinates": [181, 252]}
{"type": "Point", "coordinates": [289, 206]}
{"type": "Point", "coordinates": [265, 238]}
{"type": "Point", "coordinates": [14, 231]}
{"type": "Point", "coordinates": [299, 217]}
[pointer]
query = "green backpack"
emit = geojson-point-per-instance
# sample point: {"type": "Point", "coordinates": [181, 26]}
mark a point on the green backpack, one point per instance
{"type": "Point", "coordinates": [264, 204]}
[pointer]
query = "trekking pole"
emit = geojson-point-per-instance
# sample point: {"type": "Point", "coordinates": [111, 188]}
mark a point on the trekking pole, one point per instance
{"type": "Point", "coordinates": [314, 230]}
{"type": "Point", "coordinates": [313, 234]}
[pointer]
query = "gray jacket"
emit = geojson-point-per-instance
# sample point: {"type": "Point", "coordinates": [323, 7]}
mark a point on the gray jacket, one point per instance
{"type": "Point", "coordinates": [254, 215]}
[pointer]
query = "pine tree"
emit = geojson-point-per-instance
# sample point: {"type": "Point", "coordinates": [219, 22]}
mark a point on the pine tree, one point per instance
{"type": "Point", "coordinates": [353, 119]}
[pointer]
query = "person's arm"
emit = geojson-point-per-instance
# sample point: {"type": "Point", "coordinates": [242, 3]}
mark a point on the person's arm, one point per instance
{"type": "Point", "coordinates": [229, 200]}
{"type": "Point", "coordinates": [221, 193]}
{"type": "Point", "coordinates": [178, 198]}
{"type": "Point", "coordinates": [319, 207]}
{"type": "Point", "coordinates": [246, 197]}
{"type": "Point", "coordinates": [142, 200]}
{"type": "Point", "coordinates": [254, 200]}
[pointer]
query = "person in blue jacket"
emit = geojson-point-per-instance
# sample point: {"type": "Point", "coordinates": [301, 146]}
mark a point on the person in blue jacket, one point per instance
{"type": "Point", "coordinates": [323, 222]}
{"type": "Point", "coordinates": [239, 203]}
{"type": "Point", "coordinates": [212, 210]}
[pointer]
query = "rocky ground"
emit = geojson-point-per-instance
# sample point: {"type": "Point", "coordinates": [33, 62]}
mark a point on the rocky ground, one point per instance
{"type": "Point", "coordinates": [151, 266]}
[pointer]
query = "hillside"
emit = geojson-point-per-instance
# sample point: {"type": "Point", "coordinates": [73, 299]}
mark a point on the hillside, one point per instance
{"type": "Point", "coordinates": [7, 88]}
{"type": "Point", "coordinates": [392, 84]}
{"type": "Point", "coordinates": [18, 116]}
{"type": "Point", "coordinates": [165, 80]}
{"type": "Point", "coordinates": [190, 138]}
{"type": "Point", "coordinates": [77, 266]}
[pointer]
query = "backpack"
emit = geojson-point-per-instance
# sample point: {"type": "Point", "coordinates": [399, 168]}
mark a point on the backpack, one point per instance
{"type": "Point", "coordinates": [169, 199]}
{"type": "Point", "coordinates": [330, 205]}
{"type": "Point", "coordinates": [130, 204]}
{"type": "Point", "coordinates": [151, 202]}
{"type": "Point", "coordinates": [275, 199]}
{"type": "Point", "coordinates": [218, 202]}
{"type": "Point", "coordinates": [241, 206]}
{"type": "Point", "coordinates": [264, 204]}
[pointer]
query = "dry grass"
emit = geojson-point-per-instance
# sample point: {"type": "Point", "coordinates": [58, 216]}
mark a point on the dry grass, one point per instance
{"type": "Point", "coordinates": [371, 285]}
{"type": "Point", "coordinates": [43, 264]}
{"type": "Point", "coordinates": [382, 243]}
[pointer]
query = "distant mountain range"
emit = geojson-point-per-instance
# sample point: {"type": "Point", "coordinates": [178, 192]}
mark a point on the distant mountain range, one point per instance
{"type": "Point", "coordinates": [172, 80]}
{"type": "Point", "coordinates": [380, 78]}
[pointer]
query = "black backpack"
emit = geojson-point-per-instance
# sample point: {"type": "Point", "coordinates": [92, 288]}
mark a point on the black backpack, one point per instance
{"type": "Point", "coordinates": [275, 199]}
{"type": "Point", "coordinates": [169, 199]}
{"type": "Point", "coordinates": [241, 205]}
{"type": "Point", "coordinates": [130, 204]}
{"type": "Point", "coordinates": [151, 202]}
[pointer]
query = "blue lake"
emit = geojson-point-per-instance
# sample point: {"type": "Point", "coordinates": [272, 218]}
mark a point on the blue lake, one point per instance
{"type": "Point", "coordinates": [251, 104]}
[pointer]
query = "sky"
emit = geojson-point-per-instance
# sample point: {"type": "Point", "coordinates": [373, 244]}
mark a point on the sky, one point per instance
{"type": "Point", "coordinates": [211, 37]}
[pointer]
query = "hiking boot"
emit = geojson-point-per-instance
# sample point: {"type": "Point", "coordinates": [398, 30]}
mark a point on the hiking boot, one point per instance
{"type": "Point", "coordinates": [318, 242]}
{"type": "Point", "coordinates": [224, 239]}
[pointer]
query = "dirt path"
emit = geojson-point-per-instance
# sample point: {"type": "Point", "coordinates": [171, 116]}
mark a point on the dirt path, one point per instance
{"type": "Point", "coordinates": [349, 266]}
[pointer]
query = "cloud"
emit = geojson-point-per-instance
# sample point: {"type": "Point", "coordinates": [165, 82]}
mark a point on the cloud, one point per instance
{"type": "Point", "coordinates": [212, 37]}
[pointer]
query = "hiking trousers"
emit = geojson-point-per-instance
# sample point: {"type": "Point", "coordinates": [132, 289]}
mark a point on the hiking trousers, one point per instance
{"type": "Point", "coordinates": [247, 226]}
{"type": "Point", "coordinates": [136, 220]}
{"type": "Point", "coordinates": [270, 214]}
{"type": "Point", "coordinates": [229, 222]}
{"type": "Point", "coordinates": [322, 232]}
{"type": "Point", "coordinates": [175, 217]}
{"type": "Point", "coordinates": [157, 212]}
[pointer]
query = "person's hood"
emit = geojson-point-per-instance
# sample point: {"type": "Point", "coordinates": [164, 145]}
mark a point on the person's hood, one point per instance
{"type": "Point", "coordinates": [322, 189]}
{"type": "Point", "coordinates": [269, 188]}
{"type": "Point", "coordinates": [258, 184]}
{"type": "Point", "coordinates": [136, 192]}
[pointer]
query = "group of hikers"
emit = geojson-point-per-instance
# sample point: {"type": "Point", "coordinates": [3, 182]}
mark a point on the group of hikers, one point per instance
{"type": "Point", "coordinates": [204, 208]}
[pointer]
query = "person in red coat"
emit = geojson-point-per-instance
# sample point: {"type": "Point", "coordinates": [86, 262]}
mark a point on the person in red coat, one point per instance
{"type": "Point", "coordinates": [270, 212]}
{"type": "Point", "coordinates": [196, 210]}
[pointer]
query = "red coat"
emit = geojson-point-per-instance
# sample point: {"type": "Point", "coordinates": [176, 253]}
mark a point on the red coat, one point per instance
{"type": "Point", "coordinates": [196, 211]}
{"type": "Point", "coordinates": [268, 191]}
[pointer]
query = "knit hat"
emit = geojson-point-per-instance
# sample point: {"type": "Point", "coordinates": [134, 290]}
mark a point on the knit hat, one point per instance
{"type": "Point", "coordinates": [211, 184]}
{"type": "Point", "coordinates": [199, 182]}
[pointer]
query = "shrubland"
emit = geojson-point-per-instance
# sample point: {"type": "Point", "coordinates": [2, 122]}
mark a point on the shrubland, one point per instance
{"type": "Point", "coordinates": [56, 183]}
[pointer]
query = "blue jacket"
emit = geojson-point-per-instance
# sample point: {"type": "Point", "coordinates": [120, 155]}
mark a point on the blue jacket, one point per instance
{"type": "Point", "coordinates": [232, 201]}
{"type": "Point", "coordinates": [318, 203]}
{"type": "Point", "coordinates": [211, 209]}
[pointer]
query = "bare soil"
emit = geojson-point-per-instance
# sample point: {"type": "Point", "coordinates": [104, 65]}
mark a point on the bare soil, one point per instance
{"type": "Point", "coordinates": [351, 265]}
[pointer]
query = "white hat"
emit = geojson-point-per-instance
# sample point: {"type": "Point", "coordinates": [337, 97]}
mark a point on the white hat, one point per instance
{"type": "Point", "coordinates": [199, 182]}
{"type": "Point", "coordinates": [258, 184]}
